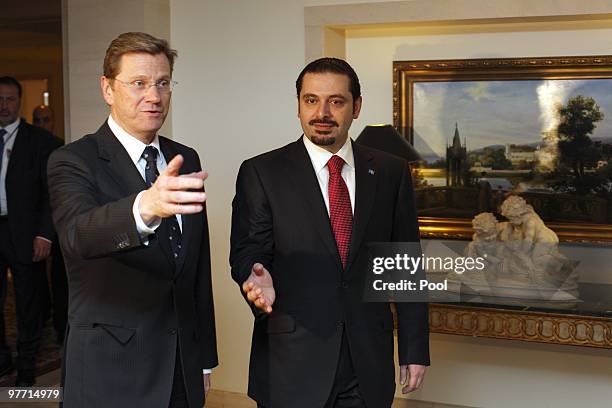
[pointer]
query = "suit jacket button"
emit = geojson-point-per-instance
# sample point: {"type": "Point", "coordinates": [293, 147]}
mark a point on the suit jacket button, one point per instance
{"type": "Point", "coordinates": [172, 332]}
{"type": "Point", "coordinates": [340, 324]}
{"type": "Point", "coordinates": [345, 285]}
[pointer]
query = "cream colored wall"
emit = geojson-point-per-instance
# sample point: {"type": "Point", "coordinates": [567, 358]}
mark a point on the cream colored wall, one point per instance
{"type": "Point", "coordinates": [237, 65]}
{"type": "Point", "coordinates": [491, 373]}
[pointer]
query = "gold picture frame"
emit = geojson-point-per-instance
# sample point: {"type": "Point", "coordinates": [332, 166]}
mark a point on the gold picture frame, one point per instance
{"type": "Point", "coordinates": [509, 73]}
{"type": "Point", "coordinates": [537, 322]}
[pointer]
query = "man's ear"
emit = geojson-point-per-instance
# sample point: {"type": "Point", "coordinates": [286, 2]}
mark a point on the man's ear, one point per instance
{"type": "Point", "coordinates": [357, 107]}
{"type": "Point", "coordinates": [107, 90]}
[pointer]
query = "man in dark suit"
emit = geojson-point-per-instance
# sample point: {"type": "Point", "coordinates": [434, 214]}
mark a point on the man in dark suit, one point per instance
{"type": "Point", "coordinates": [26, 229]}
{"type": "Point", "coordinates": [302, 216]}
{"type": "Point", "coordinates": [129, 210]}
{"type": "Point", "coordinates": [43, 117]}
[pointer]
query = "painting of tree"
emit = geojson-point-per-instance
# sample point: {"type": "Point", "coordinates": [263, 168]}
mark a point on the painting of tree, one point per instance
{"type": "Point", "coordinates": [578, 120]}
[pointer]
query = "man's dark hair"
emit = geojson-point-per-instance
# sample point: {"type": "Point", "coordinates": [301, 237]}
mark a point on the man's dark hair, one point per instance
{"type": "Point", "coordinates": [334, 66]}
{"type": "Point", "coordinates": [7, 80]}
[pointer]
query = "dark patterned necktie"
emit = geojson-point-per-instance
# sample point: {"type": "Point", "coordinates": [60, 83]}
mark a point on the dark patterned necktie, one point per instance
{"type": "Point", "coordinates": [340, 212]}
{"type": "Point", "coordinates": [174, 232]}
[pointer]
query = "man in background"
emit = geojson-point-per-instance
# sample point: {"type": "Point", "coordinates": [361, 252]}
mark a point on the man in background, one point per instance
{"type": "Point", "coordinates": [26, 229]}
{"type": "Point", "coordinates": [43, 117]}
{"type": "Point", "coordinates": [129, 207]}
{"type": "Point", "coordinates": [302, 217]}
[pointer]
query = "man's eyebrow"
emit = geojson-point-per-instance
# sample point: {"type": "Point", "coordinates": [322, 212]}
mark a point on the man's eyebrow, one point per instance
{"type": "Point", "coordinates": [336, 96]}
{"type": "Point", "coordinates": [143, 76]}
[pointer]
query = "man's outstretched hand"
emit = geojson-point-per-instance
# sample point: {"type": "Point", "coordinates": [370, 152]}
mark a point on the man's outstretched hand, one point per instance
{"type": "Point", "coordinates": [173, 194]}
{"type": "Point", "coordinates": [259, 288]}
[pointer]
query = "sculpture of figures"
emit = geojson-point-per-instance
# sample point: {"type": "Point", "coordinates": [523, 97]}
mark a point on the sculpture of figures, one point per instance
{"type": "Point", "coordinates": [522, 256]}
{"type": "Point", "coordinates": [533, 244]}
{"type": "Point", "coordinates": [525, 225]}
{"type": "Point", "coordinates": [485, 244]}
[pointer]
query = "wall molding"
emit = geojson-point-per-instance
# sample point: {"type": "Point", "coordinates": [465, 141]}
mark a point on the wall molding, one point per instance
{"type": "Point", "coordinates": [325, 26]}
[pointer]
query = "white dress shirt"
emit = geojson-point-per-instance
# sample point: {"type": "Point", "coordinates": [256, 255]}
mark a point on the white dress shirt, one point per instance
{"type": "Point", "coordinates": [319, 158]}
{"type": "Point", "coordinates": [135, 148]}
{"type": "Point", "coordinates": [9, 141]}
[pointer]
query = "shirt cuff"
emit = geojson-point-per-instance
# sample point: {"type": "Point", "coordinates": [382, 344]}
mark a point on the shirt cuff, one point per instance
{"type": "Point", "coordinates": [143, 229]}
{"type": "Point", "coordinates": [48, 240]}
{"type": "Point", "coordinates": [207, 371]}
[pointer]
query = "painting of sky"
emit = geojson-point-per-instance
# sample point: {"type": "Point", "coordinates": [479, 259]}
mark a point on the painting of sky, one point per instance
{"type": "Point", "coordinates": [499, 112]}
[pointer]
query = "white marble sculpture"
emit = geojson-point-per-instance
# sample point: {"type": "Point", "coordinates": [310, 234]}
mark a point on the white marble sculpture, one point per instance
{"type": "Point", "coordinates": [522, 259]}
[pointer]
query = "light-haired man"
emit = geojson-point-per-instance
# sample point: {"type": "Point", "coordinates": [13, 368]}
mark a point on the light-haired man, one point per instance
{"type": "Point", "coordinates": [129, 206]}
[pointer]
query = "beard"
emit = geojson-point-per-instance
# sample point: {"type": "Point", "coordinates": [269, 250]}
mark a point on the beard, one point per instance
{"type": "Point", "coordinates": [319, 138]}
{"type": "Point", "coordinates": [322, 140]}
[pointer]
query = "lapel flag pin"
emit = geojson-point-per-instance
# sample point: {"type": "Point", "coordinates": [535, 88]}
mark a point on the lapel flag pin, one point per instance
{"type": "Point", "coordinates": [371, 172]}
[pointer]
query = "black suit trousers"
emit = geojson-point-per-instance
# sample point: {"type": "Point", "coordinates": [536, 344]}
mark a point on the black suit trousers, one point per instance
{"type": "Point", "coordinates": [345, 390]}
{"type": "Point", "coordinates": [59, 290]}
{"type": "Point", "coordinates": [178, 396]}
{"type": "Point", "coordinates": [26, 280]}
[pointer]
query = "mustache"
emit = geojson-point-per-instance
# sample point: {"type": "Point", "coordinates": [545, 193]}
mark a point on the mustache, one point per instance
{"type": "Point", "coordinates": [323, 122]}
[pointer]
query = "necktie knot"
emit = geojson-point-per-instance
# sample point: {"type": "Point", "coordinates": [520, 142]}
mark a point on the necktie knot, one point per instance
{"type": "Point", "coordinates": [150, 154]}
{"type": "Point", "coordinates": [335, 165]}
{"type": "Point", "coordinates": [2, 133]}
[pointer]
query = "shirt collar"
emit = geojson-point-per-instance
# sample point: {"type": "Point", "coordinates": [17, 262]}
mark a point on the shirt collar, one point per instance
{"type": "Point", "coordinates": [319, 156]}
{"type": "Point", "coordinates": [133, 146]}
{"type": "Point", "coordinates": [11, 128]}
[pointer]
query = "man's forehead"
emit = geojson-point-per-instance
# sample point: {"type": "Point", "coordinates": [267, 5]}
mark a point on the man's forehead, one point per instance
{"type": "Point", "coordinates": [8, 89]}
{"type": "Point", "coordinates": [142, 62]}
{"type": "Point", "coordinates": [325, 82]}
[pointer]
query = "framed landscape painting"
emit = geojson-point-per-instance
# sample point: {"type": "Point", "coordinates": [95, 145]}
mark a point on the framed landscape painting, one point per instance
{"type": "Point", "coordinates": [540, 128]}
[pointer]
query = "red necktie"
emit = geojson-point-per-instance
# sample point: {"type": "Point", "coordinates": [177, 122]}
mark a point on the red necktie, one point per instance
{"type": "Point", "coordinates": [340, 212]}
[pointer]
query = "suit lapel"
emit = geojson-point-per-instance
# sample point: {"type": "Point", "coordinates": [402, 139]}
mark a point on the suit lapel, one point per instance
{"type": "Point", "coordinates": [119, 164]}
{"type": "Point", "coordinates": [121, 168]}
{"type": "Point", "coordinates": [20, 147]}
{"type": "Point", "coordinates": [300, 169]}
{"type": "Point", "coordinates": [365, 194]}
